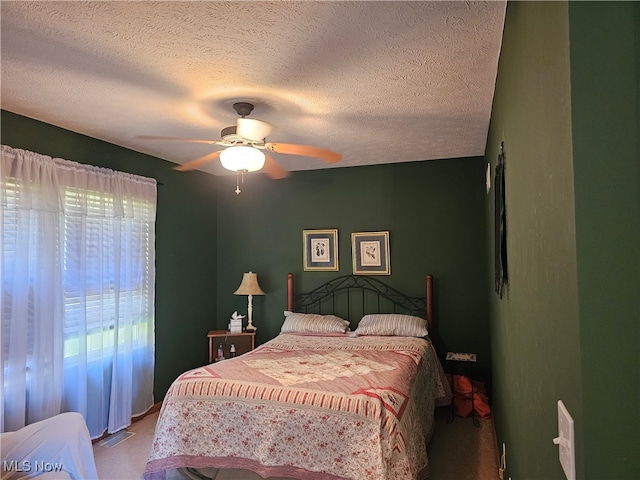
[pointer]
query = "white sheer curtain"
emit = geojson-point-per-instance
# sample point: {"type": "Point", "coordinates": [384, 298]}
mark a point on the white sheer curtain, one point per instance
{"type": "Point", "coordinates": [77, 302]}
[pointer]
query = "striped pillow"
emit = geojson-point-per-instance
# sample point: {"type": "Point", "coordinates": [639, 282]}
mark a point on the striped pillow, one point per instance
{"type": "Point", "coordinates": [313, 323]}
{"type": "Point", "coordinates": [392, 324]}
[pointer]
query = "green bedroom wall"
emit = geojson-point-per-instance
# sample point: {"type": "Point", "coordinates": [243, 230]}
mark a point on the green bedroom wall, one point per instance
{"type": "Point", "coordinates": [185, 237]}
{"type": "Point", "coordinates": [566, 107]}
{"type": "Point", "coordinates": [534, 328]}
{"type": "Point", "coordinates": [433, 211]}
{"type": "Point", "coordinates": [605, 98]}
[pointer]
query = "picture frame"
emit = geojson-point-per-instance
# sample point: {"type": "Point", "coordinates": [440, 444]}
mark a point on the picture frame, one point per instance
{"type": "Point", "coordinates": [370, 252]}
{"type": "Point", "coordinates": [320, 250]}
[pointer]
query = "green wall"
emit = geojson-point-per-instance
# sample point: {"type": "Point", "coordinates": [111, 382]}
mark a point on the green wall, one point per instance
{"type": "Point", "coordinates": [433, 211]}
{"type": "Point", "coordinates": [566, 108]}
{"type": "Point", "coordinates": [185, 238]}
{"type": "Point", "coordinates": [534, 328]}
{"type": "Point", "coordinates": [605, 97]}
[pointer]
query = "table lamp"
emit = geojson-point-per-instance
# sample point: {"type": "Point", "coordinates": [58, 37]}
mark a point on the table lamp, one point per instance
{"type": "Point", "coordinates": [249, 286]}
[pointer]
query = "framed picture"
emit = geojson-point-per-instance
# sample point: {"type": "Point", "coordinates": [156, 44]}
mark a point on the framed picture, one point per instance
{"type": "Point", "coordinates": [320, 249]}
{"type": "Point", "coordinates": [370, 251]}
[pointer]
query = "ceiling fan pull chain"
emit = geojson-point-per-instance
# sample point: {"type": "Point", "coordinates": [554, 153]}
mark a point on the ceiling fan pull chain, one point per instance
{"type": "Point", "coordinates": [239, 179]}
{"type": "Point", "coordinates": [238, 182]}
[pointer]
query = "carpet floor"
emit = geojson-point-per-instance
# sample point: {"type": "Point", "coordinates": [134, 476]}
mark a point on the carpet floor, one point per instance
{"type": "Point", "coordinates": [457, 451]}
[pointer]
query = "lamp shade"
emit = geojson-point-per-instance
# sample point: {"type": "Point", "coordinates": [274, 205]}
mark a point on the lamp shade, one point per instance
{"type": "Point", "coordinates": [241, 158]}
{"type": "Point", "coordinates": [249, 285]}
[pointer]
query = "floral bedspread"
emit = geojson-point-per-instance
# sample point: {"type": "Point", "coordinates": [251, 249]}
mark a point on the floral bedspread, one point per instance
{"type": "Point", "coordinates": [308, 407]}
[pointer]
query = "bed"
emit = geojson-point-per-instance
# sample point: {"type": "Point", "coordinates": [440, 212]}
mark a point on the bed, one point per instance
{"type": "Point", "coordinates": [328, 398]}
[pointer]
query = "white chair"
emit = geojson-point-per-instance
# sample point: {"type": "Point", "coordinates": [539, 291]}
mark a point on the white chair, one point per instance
{"type": "Point", "coordinates": [53, 449]}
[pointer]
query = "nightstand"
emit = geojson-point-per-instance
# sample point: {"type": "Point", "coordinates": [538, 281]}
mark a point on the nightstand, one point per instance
{"type": "Point", "coordinates": [243, 341]}
{"type": "Point", "coordinates": [466, 361]}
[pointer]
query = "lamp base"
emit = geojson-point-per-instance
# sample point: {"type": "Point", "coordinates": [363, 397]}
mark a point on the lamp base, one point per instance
{"type": "Point", "coordinates": [250, 328]}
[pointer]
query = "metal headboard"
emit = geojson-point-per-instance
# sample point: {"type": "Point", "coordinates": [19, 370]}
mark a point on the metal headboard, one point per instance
{"type": "Point", "coordinates": [352, 296]}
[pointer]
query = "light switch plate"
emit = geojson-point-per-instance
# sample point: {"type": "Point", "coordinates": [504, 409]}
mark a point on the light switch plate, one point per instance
{"type": "Point", "coordinates": [565, 442]}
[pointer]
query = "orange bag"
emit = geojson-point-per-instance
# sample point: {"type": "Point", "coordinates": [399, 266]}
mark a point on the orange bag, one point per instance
{"type": "Point", "coordinates": [463, 406]}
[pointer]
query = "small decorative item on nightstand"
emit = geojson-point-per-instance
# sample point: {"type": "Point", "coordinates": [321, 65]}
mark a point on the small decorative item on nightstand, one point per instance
{"type": "Point", "coordinates": [240, 342]}
{"type": "Point", "coordinates": [235, 324]}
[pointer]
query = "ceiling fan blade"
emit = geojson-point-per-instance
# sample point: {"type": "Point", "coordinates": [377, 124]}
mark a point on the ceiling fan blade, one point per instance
{"type": "Point", "coordinates": [273, 169]}
{"type": "Point", "coordinates": [304, 150]}
{"type": "Point", "coordinates": [193, 164]}
{"type": "Point", "coordinates": [179, 139]}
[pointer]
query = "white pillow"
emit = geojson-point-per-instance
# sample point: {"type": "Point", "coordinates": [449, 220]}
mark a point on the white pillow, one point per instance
{"type": "Point", "coordinates": [313, 323]}
{"type": "Point", "coordinates": [392, 324]}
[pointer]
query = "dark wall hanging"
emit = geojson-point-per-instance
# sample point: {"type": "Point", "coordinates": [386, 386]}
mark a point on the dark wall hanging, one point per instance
{"type": "Point", "coordinates": [501, 275]}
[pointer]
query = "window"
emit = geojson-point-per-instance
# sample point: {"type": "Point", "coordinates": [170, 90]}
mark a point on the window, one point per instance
{"type": "Point", "coordinates": [95, 292]}
{"type": "Point", "coordinates": [78, 275]}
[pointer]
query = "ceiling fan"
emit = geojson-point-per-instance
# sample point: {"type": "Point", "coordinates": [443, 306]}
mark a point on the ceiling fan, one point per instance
{"type": "Point", "coordinates": [245, 145]}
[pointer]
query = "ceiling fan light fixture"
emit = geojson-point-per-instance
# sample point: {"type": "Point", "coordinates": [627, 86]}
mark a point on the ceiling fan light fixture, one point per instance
{"type": "Point", "coordinates": [241, 158]}
{"type": "Point", "coordinates": [252, 129]}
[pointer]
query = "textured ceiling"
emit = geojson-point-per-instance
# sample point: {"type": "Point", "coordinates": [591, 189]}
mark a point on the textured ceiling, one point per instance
{"type": "Point", "coordinates": [378, 82]}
